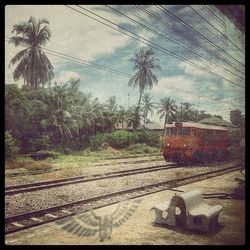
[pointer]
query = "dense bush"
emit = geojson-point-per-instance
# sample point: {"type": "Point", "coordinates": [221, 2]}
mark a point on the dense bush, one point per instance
{"type": "Point", "coordinates": [42, 143]}
{"type": "Point", "coordinates": [123, 138]}
{"type": "Point", "coordinates": [151, 138]}
{"type": "Point", "coordinates": [11, 146]}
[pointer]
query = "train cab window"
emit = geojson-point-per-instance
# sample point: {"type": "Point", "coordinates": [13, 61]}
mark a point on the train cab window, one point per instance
{"type": "Point", "coordinates": [171, 131]}
{"type": "Point", "coordinates": [184, 131]}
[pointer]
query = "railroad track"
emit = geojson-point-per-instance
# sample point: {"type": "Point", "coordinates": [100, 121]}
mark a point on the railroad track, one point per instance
{"type": "Point", "coordinates": [130, 162]}
{"type": "Point", "coordinates": [132, 156]}
{"type": "Point", "coordinates": [12, 190]}
{"type": "Point", "coordinates": [31, 219]}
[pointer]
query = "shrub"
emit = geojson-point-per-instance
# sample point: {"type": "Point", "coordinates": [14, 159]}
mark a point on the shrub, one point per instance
{"type": "Point", "coordinates": [97, 141]}
{"type": "Point", "coordinates": [42, 143]}
{"type": "Point", "coordinates": [11, 146]}
{"type": "Point", "coordinates": [151, 138]}
{"type": "Point", "coordinates": [142, 148]}
{"type": "Point", "coordinates": [122, 139]}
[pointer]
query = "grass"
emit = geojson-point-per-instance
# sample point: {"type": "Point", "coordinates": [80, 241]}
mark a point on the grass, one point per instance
{"type": "Point", "coordinates": [78, 161]}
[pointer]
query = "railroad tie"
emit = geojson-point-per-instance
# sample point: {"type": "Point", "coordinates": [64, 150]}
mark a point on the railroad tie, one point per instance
{"type": "Point", "coordinates": [51, 215]}
{"type": "Point", "coordinates": [17, 224]}
{"type": "Point", "coordinates": [36, 219]}
{"type": "Point", "coordinates": [66, 212]}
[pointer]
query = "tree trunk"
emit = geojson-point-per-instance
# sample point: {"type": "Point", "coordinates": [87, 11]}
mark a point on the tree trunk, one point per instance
{"type": "Point", "coordinates": [165, 122]}
{"type": "Point", "coordinates": [138, 105]}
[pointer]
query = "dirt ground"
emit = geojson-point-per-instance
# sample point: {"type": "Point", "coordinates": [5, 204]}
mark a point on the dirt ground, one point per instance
{"type": "Point", "coordinates": [140, 228]}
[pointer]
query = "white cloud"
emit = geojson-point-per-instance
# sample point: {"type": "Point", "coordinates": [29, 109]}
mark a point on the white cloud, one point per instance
{"type": "Point", "coordinates": [145, 35]}
{"type": "Point", "coordinates": [175, 85]}
{"type": "Point", "coordinates": [67, 75]}
{"type": "Point", "coordinates": [72, 33]}
{"type": "Point", "coordinates": [228, 72]}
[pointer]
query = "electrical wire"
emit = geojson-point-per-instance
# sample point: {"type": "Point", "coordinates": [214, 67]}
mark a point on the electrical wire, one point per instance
{"type": "Point", "coordinates": [198, 33]}
{"type": "Point", "coordinates": [149, 43]}
{"type": "Point", "coordinates": [215, 29]}
{"type": "Point", "coordinates": [182, 34]}
{"type": "Point", "coordinates": [172, 41]}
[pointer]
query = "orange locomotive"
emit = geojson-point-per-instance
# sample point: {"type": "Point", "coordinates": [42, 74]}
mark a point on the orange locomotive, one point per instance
{"type": "Point", "coordinates": [195, 142]}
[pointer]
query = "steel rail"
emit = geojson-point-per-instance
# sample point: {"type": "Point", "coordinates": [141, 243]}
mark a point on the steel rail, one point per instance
{"type": "Point", "coordinates": [11, 190]}
{"type": "Point", "coordinates": [12, 223]}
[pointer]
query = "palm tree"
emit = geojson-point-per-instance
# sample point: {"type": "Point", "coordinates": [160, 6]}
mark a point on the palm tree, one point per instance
{"type": "Point", "coordinates": [144, 62]}
{"type": "Point", "coordinates": [111, 113]}
{"type": "Point", "coordinates": [58, 117]}
{"type": "Point", "coordinates": [121, 115]}
{"type": "Point", "coordinates": [33, 65]}
{"type": "Point", "coordinates": [185, 112]}
{"type": "Point", "coordinates": [167, 109]}
{"type": "Point", "coordinates": [133, 117]}
{"type": "Point", "coordinates": [148, 107]}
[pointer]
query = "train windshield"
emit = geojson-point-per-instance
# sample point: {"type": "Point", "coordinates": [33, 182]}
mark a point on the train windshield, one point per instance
{"type": "Point", "coordinates": [171, 131]}
{"type": "Point", "coordinates": [184, 131]}
{"type": "Point", "coordinates": [179, 131]}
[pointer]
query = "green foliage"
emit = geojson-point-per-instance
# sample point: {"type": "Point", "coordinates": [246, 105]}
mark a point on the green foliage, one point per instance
{"type": "Point", "coordinates": [151, 138]}
{"type": "Point", "coordinates": [139, 148]}
{"type": "Point", "coordinates": [133, 117]}
{"type": "Point", "coordinates": [18, 110]}
{"type": "Point", "coordinates": [65, 119]}
{"type": "Point", "coordinates": [11, 146]}
{"type": "Point", "coordinates": [237, 118]}
{"type": "Point", "coordinates": [32, 63]}
{"type": "Point", "coordinates": [97, 141]}
{"type": "Point", "coordinates": [42, 143]}
{"type": "Point", "coordinates": [122, 139]}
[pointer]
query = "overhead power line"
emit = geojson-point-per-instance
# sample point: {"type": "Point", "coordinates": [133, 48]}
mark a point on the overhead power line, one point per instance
{"type": "Point", "coordinates": [172, 41]}
{"type": "Point", "coordinates": [222, 23]}
{"type": "Point", "coordinates": [197, 13]}
{"type": "Point", "coordinates": [182, 34]}
{"type": "Point", "coordinates": [196, 32]}
{"type": "Point", "coordinates": [83, 62]}
{"type": "Point", "coordinates": [148, 43]}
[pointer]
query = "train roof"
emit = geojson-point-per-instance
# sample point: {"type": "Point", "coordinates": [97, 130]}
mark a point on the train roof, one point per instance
{"type": "Point", "coordinates": [197, 125]}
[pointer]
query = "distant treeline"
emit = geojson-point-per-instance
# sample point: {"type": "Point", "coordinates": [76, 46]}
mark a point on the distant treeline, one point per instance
{"type": "Point", "coordinates": [63, 117]}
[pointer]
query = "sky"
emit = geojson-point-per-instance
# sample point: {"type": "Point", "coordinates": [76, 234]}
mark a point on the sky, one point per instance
{"type": "Point", "coordinates": [200, 50]}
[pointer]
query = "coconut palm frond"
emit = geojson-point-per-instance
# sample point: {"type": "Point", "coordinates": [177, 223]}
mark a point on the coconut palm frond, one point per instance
{"type": "Point", "coordinates": [18, 56]}
{"type": "Point", "coordinates": [17, 41]}
{"type": "Point", "coordinates": [20, 69]}
{"type": "Point", "coordinates": [44, 35]}
{"type": "Point", "coordinates": [43, 20]}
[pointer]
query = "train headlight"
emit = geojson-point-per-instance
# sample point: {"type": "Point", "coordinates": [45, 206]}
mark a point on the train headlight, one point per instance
{"type": "Point", "coordinates": [168, 145]}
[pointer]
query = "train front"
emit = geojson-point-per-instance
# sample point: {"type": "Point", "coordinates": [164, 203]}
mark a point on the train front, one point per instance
{"type": "Point", "coordinates": [179, 143]}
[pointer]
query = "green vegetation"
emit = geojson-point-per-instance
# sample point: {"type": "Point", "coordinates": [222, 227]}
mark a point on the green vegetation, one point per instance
{"type": "Point", "coordinates": [64, 119]}
{"type": "Point", "coordinates": [142, 148]}
{"type": "Point", "coordinates": [53, 118]}
{"type": "Point", "coordinates": [11, 146]}
{"type": "Point", "coordinates": [123, 139]}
